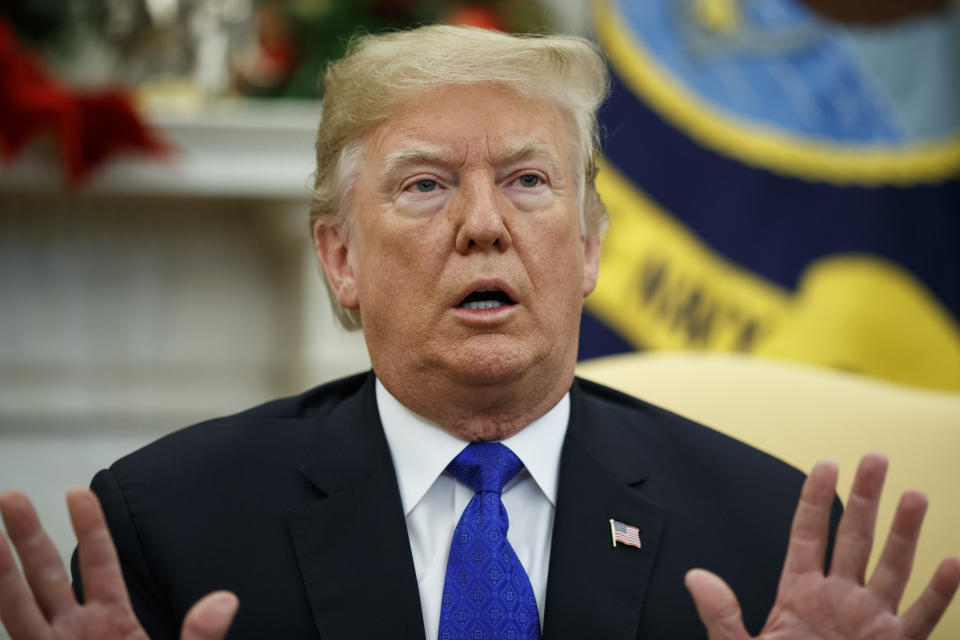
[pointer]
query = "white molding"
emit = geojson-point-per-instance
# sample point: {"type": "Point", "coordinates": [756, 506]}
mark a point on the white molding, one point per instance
{"type": "Point", "coordinates": [232, 149]}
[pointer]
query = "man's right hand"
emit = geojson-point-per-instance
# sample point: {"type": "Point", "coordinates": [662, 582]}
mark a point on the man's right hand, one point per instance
{"type": "Point", "coordinates": [44, 606]}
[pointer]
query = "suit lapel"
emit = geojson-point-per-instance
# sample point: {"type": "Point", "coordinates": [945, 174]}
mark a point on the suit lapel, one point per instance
{"type": "Point", "coordinates": [594, 589]}
{"type": "Point", "coordinates": [351, 542]}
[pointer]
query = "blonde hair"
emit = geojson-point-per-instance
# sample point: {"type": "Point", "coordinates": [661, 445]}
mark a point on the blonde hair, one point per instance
{"type": "Point", "coordinates": [380, 72]}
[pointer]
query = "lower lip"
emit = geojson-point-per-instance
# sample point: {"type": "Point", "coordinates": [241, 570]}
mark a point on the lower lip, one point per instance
{"type": "Point", "coordinates": [482, 315]}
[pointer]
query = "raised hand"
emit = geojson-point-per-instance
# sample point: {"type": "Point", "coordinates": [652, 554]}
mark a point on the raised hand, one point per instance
{"type": "Point", "coordinates": [842, 603]}
{"type": "Point", "coordinates": [44, 606]}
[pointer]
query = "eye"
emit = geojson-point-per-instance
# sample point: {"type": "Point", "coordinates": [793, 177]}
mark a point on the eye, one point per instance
{"type": "Point", "coordinates": [529, 180]}
{"type": "Point", "coordinates": [425, 186]}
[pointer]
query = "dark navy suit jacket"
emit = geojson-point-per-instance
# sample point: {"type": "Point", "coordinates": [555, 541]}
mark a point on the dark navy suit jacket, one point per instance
{"type": "Point", "coordinates": [294, 506]}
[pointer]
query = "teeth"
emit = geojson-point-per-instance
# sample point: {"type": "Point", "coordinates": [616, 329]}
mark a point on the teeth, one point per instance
{"type": "Point", "coordinates": [480, 305]}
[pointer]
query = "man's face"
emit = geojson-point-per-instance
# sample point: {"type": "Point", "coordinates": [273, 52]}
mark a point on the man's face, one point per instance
{"type": "Point", "coordinates": [465, 256]}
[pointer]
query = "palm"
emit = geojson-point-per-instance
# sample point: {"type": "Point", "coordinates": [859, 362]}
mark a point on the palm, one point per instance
{"type": "Point", "coordinates": [97, 620]}
{"type": "Point", "coordinates": [816, 608]}
{"type": "Point", "coordinates": [841, 604]}
{"type": "Point", "coordinates": [45, 608]}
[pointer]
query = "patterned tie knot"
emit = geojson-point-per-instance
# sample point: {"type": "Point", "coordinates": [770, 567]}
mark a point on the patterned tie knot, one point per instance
{"type": "Point", "coordinates": [485, 466]}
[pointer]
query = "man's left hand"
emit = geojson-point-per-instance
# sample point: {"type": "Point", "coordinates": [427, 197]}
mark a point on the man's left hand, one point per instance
{"type": "Point", "coordinates": [841, 603]}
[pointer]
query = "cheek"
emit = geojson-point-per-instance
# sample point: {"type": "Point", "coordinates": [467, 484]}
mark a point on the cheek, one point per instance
{"type": "Point", "coordinates": [558, 242]}
{"type": "Point", "coordinates": [396, 264]}
{"type": "Point", "coordinates": [559, 266]}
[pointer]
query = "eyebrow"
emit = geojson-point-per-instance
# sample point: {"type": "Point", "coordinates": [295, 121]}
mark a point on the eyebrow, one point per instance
{"type": "Point", "coordinates": [524, 150]}
{"type": "Point", "coordinates": [513, 152]}
{"type": "Point", "coordinates": [414, 155]}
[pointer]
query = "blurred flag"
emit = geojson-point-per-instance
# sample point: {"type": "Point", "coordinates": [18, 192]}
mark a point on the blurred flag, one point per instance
{"type": "Point", "coordinates": [781, 185]}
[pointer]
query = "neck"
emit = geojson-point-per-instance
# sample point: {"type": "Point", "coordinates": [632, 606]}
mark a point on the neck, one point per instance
{"type": "Point", "coordinates": [478, 412]}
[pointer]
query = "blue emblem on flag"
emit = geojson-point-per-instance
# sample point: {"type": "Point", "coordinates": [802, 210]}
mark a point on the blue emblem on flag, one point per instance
{"type": "Point", "coordinates": [781, 185]}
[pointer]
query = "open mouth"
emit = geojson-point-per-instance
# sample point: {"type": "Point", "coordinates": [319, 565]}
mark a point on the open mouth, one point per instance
{"type": "Point", "coordinates": [486, 299]}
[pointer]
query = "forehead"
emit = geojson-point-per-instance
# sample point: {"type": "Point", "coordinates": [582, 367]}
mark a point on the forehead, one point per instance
{"type": "Point", "coordinates": [471, 123]}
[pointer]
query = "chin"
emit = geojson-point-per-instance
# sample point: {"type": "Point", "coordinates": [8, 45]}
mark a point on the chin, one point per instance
{"type": "Point", "coordinates": [489, 368]}
{"type": "Point", "coordinates": [483, 359]}
{"type": "Point", "coordinates": [494, 359]}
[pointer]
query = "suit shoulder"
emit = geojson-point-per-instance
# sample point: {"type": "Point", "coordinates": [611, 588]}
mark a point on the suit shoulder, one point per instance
{"type": "Point", "coordinates": [283, 424]}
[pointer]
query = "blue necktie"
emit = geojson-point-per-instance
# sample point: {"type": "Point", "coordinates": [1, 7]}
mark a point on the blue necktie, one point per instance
{"type": "Point", "coordinates": [486, 592]}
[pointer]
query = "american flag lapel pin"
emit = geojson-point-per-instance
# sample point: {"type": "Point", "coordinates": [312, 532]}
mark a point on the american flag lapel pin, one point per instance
{"type": "Point", "coordinates": [620, 532]}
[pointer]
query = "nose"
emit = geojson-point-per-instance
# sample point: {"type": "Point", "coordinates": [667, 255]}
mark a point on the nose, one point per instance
{"type": "Point", "coordinates": [479, 214]}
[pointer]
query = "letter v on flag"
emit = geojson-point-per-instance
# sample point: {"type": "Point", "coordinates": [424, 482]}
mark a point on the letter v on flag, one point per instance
{"type": "Point", "coordinates": [620, 532]}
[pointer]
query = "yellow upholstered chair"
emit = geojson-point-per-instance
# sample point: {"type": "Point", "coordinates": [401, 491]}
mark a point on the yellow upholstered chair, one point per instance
{"type": "Point", "coordinates": [802, 414]}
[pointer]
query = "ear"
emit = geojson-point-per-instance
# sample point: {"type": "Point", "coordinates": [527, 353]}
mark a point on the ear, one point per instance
{"type": "Point", "coordinates": [333, 252]}
{"type": "Point", "coordinates": [591, 265]}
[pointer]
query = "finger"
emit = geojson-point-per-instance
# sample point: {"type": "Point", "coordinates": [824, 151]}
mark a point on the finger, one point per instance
{"type": "Point", "coordinates": [890, 577]}
{"type": "Point", "coordinates": [99, 566]}
{"type": "Point", "coordinates": [41, 561]}
{"type": "Point", "coordinates": [717, 605]}
{"type": "Point", "coordinates": [210, 617]}
{"type": "Point", "coordinates": [18, 610]}
{"type": "Point", "coordinates": [855, 533]}
{"type": "Point", "coordinates": [922, 617]}
{"type": "Point", "coordinates": [807, 548]}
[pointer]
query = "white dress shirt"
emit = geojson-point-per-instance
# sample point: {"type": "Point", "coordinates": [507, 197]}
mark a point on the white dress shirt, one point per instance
{"type": "Point", "coordinates": [433, 500]}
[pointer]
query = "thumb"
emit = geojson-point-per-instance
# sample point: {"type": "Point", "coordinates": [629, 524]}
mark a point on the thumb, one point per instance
{"type": "Point", "coordinates": [718, 607]}
{"type": "Point", "coordinates": [210, 617]}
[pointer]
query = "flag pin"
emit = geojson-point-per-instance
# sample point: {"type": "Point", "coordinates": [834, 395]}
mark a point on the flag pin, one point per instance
{"type": "Point", "coordinates": [620, 532]}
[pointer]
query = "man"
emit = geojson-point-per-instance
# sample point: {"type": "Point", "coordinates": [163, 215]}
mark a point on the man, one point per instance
{"type": "Point", "coordinates": [455, 217]}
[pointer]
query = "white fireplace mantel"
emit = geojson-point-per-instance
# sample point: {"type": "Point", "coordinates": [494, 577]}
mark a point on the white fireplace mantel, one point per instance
{"type": "Point", "coordinates": [235, 149]}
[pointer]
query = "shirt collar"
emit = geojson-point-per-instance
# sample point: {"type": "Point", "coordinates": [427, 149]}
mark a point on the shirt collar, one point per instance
{"type": "Point", "coordinates": [421, 449]}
